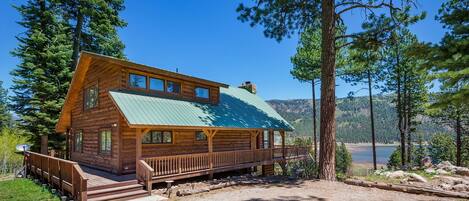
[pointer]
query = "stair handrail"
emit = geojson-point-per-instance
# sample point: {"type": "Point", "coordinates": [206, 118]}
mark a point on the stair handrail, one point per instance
{"type": "Point", "coordinates": [145, 174]}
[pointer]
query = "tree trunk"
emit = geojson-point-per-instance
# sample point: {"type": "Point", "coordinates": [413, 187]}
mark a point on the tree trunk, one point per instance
{"type": "Point", "coordinates": [409, 134]}
{"type": "Point", "coordinates": [327, 125]}
{"type": "Point", "coordinates": [77, 38]}
{"type": "Point", "coordinates": [458, 140]}
{"type": "Point", "coordinates": [373, 138]}
{"type": "Point", "coordinates": [399, 107]}
{"type": "Point", "coordinates": [315, 140]}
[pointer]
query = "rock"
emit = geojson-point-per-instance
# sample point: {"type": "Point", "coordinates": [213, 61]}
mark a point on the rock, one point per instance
{"type": "Point", "coordinates": [416, 177]}
{"type": "Point", "coordinates": [462, 171]}
{"type": "Point", "coordinates": [445, 187]}
{"type": "Point", "coordinates": [396, 174]}
{"type": "Point", "coordinates": [442, 172]}
{"type": "Point", "coordinates": [426, 161]}
{"type": "Point", "coordinates": [446, 165]}
{"type": "Point", "coordinates": [451, 180]}
{"type": "Point", "coordinates": [431, 171]}
{"type": "Point", "coordinates": [461, 187]}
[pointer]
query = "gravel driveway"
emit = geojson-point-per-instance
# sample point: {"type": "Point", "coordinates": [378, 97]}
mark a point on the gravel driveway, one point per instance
{"type": "Point", "coordinates": [305, 190]}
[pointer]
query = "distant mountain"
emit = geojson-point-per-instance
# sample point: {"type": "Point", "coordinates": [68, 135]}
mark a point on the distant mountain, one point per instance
{"type": "Point", "coordinates": [353, 119]}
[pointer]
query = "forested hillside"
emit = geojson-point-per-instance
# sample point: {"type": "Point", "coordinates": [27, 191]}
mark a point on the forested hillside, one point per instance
{"type": "Point", "coordinates": [353, 120]}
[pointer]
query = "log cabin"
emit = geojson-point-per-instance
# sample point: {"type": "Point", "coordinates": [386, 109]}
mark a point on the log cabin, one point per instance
{"type": "Point", "coordinates": [123, 117]}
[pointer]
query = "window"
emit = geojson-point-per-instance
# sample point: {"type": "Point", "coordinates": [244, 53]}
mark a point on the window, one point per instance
{"type": "Point", "coordinates": [105, 142]}
{"type": "Point", "coordinates": [200, 136]}
{"type": "Point", "coordinates": [201, 92]}
{"type": "Point", "coordinates": [266, 139]}
{"type": "Point", "coordinates": [91, 97]}
{"type": "Point", "coordinates": [173, 87]}
{"type": "Point", "coordinates": [158, 137]}
{"type": "Point", "coordinates": [137, 81]}
{"type": "Point", "coordinates": [156, 84]}
{"type": "Point", "coordinates": [79, 141]}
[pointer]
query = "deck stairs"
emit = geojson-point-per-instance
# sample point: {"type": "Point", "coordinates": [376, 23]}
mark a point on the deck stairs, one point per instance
{"type": "Point", "coordinates": [118, 191]}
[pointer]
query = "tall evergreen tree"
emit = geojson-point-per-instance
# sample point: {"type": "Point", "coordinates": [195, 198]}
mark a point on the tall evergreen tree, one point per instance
{"type": "Point", "coordinates": [41, 80]}
{"type": "Point", "coordinates": [407, 81]}
{"type": "Point", "coordinates": [282, 18]}
{"type": "Point", "coordinates": [5, 115]}
{"type": "Point", "coordinates": [93, 26]}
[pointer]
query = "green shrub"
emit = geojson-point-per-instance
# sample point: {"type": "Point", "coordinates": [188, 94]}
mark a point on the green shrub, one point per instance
{"type": "Point", "coordinates": [9, 160]}
{"type": "Point", "coordinates": [343, 159]}
{"type": "Point", "coordinates": [442, 148]}
{"type": "Point", "coordinates": [395, 160]}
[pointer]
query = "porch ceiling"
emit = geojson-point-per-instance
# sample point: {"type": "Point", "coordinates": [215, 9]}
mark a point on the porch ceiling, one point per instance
{"type": "Point", "coordinates": [237, 109]}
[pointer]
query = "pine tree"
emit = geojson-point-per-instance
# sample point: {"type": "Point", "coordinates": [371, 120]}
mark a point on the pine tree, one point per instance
{"type": "Point", "coordinates": [5, 115]}
{"type": "Point", "coordinates": [93, 26]}
{"type": "Point", "coordinates": [420, 152]}
{"type": "Point", "coordinates": [41, 80]}
{"type": "Point", "coordinates": [282, 18]}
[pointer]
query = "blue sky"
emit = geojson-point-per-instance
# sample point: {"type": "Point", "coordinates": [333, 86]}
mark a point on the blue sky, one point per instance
{"type": "Point", "coordinates": [204, 39]}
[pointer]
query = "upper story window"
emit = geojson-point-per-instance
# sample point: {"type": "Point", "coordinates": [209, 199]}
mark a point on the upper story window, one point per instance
{"type": "Point", "coordinates": [158, 137]}
{"type": "Point", "coordinates": [91, 97]}
{"type": "Point", "coordinates": [173, 87]}
{"type": "Point", "coordinates": [78, 141]}
{"type": "Point", "coordinates": [137, 81]}
{"type": "Point", "coordinates": [201, 92]}
{"type": "Point", "coordinates": [156, 84]}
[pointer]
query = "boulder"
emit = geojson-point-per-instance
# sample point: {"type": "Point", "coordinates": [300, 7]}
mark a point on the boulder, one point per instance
{"type": "Point", "coordinates": [431, 171]}
{"type": "Point", "coordinates": [445, 187]}
{"type": "Point", "coordinates": [446, 165]}
{"type": "Point", "coordinates": [462, 171]}
{"type": "Point", "coordinates": [442, 172]}
{"type": "Point", "coordinates": [416, 177]}
{"type": "Point", "coordinates": [461, 187]}
{"type": "Point", "coordinates": [396, 174]}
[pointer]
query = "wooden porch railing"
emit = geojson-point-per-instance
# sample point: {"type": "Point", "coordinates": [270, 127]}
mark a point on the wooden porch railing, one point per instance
{"type": "Point", "coordinates": [144, 174]}
{"type": "Point", "coordinates": [180, 164]}
{"type": "Point", "coordinates": [65, 175]}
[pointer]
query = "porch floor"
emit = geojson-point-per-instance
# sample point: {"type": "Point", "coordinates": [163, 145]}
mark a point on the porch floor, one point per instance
{"type": "Point", "coordinates": [100, 178]}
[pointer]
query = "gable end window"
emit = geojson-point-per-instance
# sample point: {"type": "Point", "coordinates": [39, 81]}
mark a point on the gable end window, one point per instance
{"type": "Point", "coordinates": [105, 142]}
{"type": "Point", "coordinates": [137, 81]}
{"type": "Point", "coordinates": [200, 136]}
{"type": "Point", "coordinates": [78, 141]}
{"type": "Point", "coordinates": [91, 97]}
{"type": "Point", "coordinates": [158, 137]}
{"type": "Point", "coordinates": [201, 92]}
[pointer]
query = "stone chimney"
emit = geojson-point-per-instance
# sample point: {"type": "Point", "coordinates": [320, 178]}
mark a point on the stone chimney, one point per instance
{"type": "Point", "coordinates": [249, 86]}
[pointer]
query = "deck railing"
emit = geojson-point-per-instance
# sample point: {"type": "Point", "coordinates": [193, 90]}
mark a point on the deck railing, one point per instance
{"type": "Point", "coordinates": [63, 174]}
{"type": "Point", "coordinates": [180, 164]}
{"type": "Point", "coordinates": [144, 174]}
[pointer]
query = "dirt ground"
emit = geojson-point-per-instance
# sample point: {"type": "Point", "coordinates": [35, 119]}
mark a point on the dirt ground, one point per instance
{"type": "Point", "coordinates": [305, 190]}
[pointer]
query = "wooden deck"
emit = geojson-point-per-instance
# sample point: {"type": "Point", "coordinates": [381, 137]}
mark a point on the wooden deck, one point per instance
{"type": "Point", "coordinates": [100, 178]}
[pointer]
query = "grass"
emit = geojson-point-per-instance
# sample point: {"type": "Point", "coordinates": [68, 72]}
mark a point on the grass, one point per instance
{"type": "Point", "coordinates": [24, 190]}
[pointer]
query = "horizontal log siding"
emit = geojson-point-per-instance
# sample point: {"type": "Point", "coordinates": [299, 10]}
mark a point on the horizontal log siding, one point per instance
{"type": "Point", "coordinates": [102, 117]}
{"type": "Point", "coordinates": [184, 143]}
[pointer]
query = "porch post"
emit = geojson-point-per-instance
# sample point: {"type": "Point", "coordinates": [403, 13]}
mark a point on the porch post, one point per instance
{"type": "Point", "coordinates": [210, 134]}
{"type": "Point", "coordinates": [138, 144]}
{"type": "Point", "coordinates": [282, 134]}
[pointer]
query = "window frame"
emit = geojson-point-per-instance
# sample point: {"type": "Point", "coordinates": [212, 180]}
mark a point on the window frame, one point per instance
{"type": "Point", "coordinates": [170, 92]}
{"type": "Point", "coordinates": [160, 132]}
{"type": "Point", "coordinates": [135, 87]}
{"type": "Point", "coordinates": [155, 78]}
{"type": "Point", "coordinates": [205, 139]}
{"type": "Point", "coordinates": [100, 141]}
{"type": "Point", "coordinates": [85, 96]}
{"type": "Point", "coordinates": [199, 97]}
{"type": "Point", "coordinates": [75, 135]}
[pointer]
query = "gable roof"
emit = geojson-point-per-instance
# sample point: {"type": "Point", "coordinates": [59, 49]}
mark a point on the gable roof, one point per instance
{"type": "Point", "coordinates": [237, 108]}
{"type": "Point", "coordinates": [82, 67]}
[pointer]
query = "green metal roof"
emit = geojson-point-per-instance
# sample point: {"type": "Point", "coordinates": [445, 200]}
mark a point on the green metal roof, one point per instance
{"type": "Point", "coordinates": [237, 108]}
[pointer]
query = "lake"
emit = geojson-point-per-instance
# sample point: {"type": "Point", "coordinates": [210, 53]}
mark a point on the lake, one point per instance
{"type": "Point", "coordinates": [364, 154]}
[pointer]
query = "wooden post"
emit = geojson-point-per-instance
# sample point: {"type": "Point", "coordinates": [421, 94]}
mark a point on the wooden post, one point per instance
{"type": "Point", "coordinates": [282, 134]}
{"type": "Point", "coordinates": [210, 134]}
{"type": "Point", "coordinates": [138, 144]}
{"type": "Point", "coordinates": [44, 144]}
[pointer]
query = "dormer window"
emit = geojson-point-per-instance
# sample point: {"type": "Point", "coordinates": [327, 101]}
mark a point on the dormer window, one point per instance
{"type": "Point", "coordinates": [201, 92]}
{"type": "Point", "coordinates": [137, 81]}
{"type": "Point", "coordinates": [156, 84]}
{"type": "Point", "coordinates": [173, 87]}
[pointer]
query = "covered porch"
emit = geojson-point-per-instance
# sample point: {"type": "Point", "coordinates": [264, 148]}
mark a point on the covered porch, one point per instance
{"type": "Point", "coordinates": [262, 152]}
